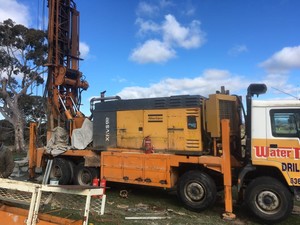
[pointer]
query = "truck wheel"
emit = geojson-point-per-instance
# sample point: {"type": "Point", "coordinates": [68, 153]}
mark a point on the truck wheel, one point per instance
{"type": "Point", "coordinates": [61, 171]}
{"type": "Point", "coordinates": [269, 199]}
{"type": "Point", "coordinates": [72, 171]}
{"type": "Point", "coordinates": [84, 175]}
{"type": "Point", "coordinates": [196, 190]}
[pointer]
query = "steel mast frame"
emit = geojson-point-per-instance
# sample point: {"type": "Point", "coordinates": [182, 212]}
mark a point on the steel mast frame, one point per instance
{"type": "Point", "coordinates": [64, 83]}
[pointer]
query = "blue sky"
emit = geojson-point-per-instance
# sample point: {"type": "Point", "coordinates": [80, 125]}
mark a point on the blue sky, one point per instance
{"type": "Point", "coordinates": [166, 47]}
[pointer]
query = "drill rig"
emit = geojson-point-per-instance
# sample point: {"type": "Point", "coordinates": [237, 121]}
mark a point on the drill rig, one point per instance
{"type": "Point", "coordinates": [191, 143]}
{"type": "Point", "coordinates": [65, 82]}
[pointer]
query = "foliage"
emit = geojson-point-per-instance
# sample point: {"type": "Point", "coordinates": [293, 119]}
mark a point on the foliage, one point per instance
{"type": "Point", "coordinates": [33, 108]}
{"type": "Point", "coordinates": [23, 54]}
{"type": "Point", "coordinates": [7, 132]}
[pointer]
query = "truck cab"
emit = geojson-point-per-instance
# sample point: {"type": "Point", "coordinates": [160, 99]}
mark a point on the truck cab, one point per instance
{"type": "Point", "coordinates": [273, 177]}
{"type": "Point", "coordinates": [276, 137]}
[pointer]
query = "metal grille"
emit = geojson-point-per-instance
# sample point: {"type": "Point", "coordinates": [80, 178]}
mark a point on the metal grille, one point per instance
{"type": "Point", "coordinates": [228, 111]}
{"type": "Point", "coordinates": [192, 143]}
{"type": "Point", "coordinates": [52, 200]}
{"type": "Point", "coordinates": [15, 196]}
{"type": "Point", "coordinates": [156, 118]}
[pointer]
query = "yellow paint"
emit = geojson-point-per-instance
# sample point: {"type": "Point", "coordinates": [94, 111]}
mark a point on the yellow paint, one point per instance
{"type": "Point", "coordinates": [129, 124]}
{"type": "Point", "coordinates": [167, 128]}
{"type": "Point", "coordinates": [285, 157]}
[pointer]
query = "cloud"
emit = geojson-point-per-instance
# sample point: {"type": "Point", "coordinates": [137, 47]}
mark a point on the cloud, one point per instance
{"type": "Point", "coordinates": [207, 83]}
{"type": "Point", "coordinates": [166, 3]}
{"type": "Point", "coordinates": [119, 79]}
{"type": "Point", "coordinates": [283, 61]}
{"type": "Point", "coordinates": [152, 51]}
{"type": "Point", "coordinates": [276, 80]}
{"type": "Point", "coordinates": [216, 74]}
{"type": "Point", "coordinates": [171, 35]}
{"type": "Point", "coordinates": [211, 80]}
{"type": "Point", "coordinates": [147, 26]}
{"type": "Point", "coordinates": [237, 50]}
{"type": "Point", "coordinates": [190, 11]}
{"type": "Point", "coordinates": [186, 37]}
{"type": "Point", "coordinates": [164, 35]}
{"type": "Point", "coordinates": [84, 49]}
{"type": "Point", "coordinates": [278, 68]}
{"type": "Point", "coordinates": [146, 9]}
{"type": "Point", "coordinates": [14, 10]}
{"type": "Point", "coordinates": [279, 84]}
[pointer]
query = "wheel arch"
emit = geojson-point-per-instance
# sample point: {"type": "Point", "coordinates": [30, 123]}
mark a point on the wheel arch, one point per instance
{"type": "Point", "coordinates": [186, 167]}
{"type": "Point", "coordinates": [250, 172]}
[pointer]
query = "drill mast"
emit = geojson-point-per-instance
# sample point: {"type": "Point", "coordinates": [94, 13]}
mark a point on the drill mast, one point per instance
{"type": "Point", "coordinates": [64, 83]}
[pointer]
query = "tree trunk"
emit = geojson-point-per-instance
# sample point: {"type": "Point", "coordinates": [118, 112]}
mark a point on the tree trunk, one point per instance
{"type": "Point", "coordinates": [19, 134]}
{"type": "Point", "coordinates": [15, 117]}
{"type": "Point", "coordinates": [17, 121]}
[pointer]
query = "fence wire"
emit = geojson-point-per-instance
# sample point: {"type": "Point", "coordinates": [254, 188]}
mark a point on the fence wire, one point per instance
{"type": "Point", "coordinates": [52, 201]}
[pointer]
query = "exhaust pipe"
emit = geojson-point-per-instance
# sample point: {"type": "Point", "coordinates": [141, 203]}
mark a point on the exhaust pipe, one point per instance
{"type": "Point", "coordinates": [102, 98]}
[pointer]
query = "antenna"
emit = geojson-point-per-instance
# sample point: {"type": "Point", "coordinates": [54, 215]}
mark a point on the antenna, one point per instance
{"type": "Point", "coordinates": [286, 93]}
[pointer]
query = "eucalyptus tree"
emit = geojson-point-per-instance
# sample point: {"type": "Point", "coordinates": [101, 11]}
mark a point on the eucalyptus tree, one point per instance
{"type": "Point", "coordinates": [23, 53]}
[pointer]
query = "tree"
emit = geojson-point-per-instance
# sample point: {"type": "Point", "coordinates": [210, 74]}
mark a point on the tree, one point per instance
{"type": "Point", "coordinates": [34, 109]}
{"type": "Point", "coordinates": [7, 132]}
{"type": "Point", "coordinates": [23, 53]}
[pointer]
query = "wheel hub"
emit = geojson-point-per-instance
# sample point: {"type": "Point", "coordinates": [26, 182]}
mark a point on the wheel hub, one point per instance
{"type": "Point", "coordinates": [57, 171]}
{"type": "Point", "coordinates": [268, 201]}
{"type": "Point", "coordinates": [195, 191]}
{"type": "Point", "coordinates": [86, 177]}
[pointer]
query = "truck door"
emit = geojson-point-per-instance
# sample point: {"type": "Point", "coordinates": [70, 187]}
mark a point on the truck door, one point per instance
{"type": "Point", "coordinates": [283, 142]}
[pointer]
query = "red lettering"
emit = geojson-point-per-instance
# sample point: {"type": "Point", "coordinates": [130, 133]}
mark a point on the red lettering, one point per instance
{"type": "Point", "coordinates": [273, 153]}
{"type": "Point", "coordinates": [280, 153]}
{"type": "Point", "coordinates": [297, 153]}
{"type": "Point", "coordinates": [261, 151]}
{"type": "Point", "coordinates": [265, 152]}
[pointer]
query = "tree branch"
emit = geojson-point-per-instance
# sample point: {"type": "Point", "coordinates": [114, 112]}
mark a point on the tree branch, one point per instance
{"type": "Point", "coordinates": [5, 114]}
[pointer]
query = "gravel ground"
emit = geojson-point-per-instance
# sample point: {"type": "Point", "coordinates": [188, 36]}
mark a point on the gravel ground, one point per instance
{"type": "Point", "coordinates": [128, 204]}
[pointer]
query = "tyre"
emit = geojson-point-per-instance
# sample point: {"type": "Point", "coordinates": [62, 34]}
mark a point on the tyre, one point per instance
{"type": "Point", "coordinates": [84, 175]}
{"type": "Point", "coordinates": [269, 199]}
{"type": "Point", "coordinates": [196, 190]}
{"type": "Point", "coordinates": [61, 171]}
{"type": "Point", "coordinates": [72, 171]}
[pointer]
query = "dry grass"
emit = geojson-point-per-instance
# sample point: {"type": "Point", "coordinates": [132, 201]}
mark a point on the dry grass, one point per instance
{"type": "Point", "coordinates": [149, 202]}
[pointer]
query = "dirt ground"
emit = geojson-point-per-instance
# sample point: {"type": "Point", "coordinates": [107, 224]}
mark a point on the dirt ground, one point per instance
{"type": "Point", "coordinates": [152, 206]}
{"type": "Point", "coordinates": [142, 205]}
{"type": "Point", "coordinates": [128, 204]}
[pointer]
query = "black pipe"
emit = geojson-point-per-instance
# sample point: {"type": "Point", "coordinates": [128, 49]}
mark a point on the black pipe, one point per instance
{"type": "Point", "coordinates": [253, 89]}
{"type": "Point", "coordinates": [102, 99]}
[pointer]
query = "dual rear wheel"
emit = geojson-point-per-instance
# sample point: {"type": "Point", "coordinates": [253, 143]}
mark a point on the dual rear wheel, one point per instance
{"type": "Point", "coordinates": [66, 172]}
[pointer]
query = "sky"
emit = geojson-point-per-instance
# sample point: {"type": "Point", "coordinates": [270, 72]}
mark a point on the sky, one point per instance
{"type": "Point", "coordinates": [154, 48]}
